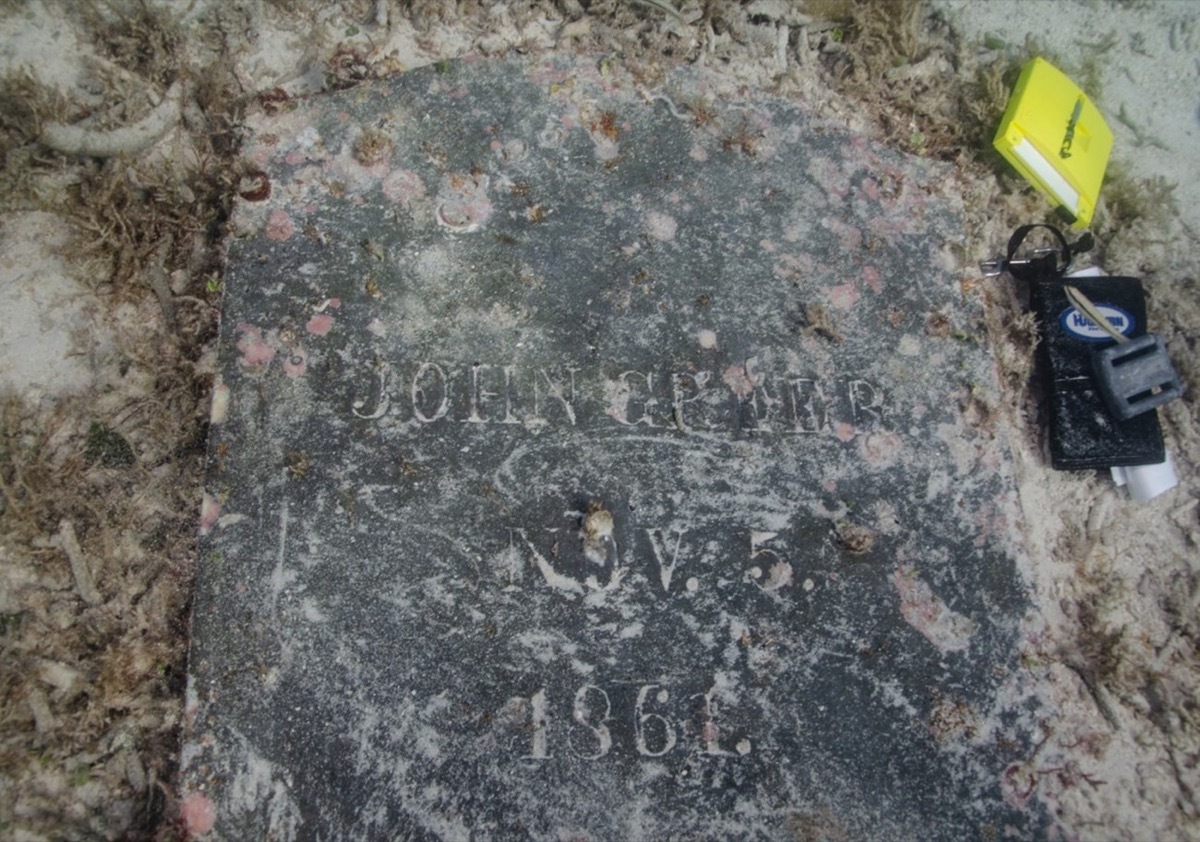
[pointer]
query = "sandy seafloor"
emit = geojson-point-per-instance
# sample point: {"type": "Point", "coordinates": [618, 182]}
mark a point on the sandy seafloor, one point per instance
{"type": "Point", "coordinates": [1110, 646]}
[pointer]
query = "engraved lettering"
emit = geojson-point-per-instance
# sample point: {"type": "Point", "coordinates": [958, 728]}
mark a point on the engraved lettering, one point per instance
{"type": "Point", "coordinates": [565, 397]}
{"type": "Point", "coordinates": [681, 385]}
{"type": "Point", "coordinates": [539, 723]}
{"type": "Point", "coordinates": [590, 733]}
{"type": "Point", "coordinates": [577, 554]}
{"type": "Point", "coordinates": [362, 409]}
{"type": "Point", "coordinates": [652, 727]}
{"type": "Point", "coordinates": [593, 719]}
{"type": "Point", "coordinates": [553, 578]}
{"type": "Point", "coordinates": [658, 543]}
{"type": "Point", "coordinates": [760, 408]}
{"type": "Point", "coordinates": [478, 396]}
{"type": "Point", "coordinates": [809, 414]}
{"type": "Point", "coordinates": [644, 399]}
{"type": "Point", "coordinates": [770, 571]}
{"type": "Point", "coordinates": [430, 393]}
{"type": "Point", "coordinates": [710, 731]}
{"type": "Point", "coordinates": [866, 404]}
{"type": "Point", "coordinates": [509, 418]}
{"type": "Point", "coordinates": [624, 404]}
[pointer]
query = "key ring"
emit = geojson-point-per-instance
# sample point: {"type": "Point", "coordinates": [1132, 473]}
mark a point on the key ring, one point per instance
{"type": "Point", "coordinates": [1042, 262]}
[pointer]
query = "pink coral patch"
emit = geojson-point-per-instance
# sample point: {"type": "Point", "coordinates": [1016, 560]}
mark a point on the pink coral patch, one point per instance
{"type": "Point", "coordinates": [280, 226]}
{"type": "Point", "coordinates": [924, 611]}
{"type": "Point", "coordinates": [738, 379]}
{"type": "Point", "coordinates": [872, 279]}
{"type": "Point", "coordinates": [320, 324]}
{"type": "Point", "coordinates": [256, 351]}
{"type": "Point", "coordinates": [199, 814]}
{"type": "Point", "coordinates": [403, 186]}
{"type": "Point", "coordinates": [881, 449]}
{"type": "Point", "coordinates": [843, 296]}
{"type": "Point", "coordinates": [850, 237]}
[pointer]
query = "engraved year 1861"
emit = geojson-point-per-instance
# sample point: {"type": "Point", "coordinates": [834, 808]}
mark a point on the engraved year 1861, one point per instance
{"type": "Point", "coordinates": [645, 719]}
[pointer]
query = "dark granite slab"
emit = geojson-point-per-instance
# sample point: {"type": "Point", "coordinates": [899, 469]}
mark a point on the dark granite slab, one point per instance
{"type": "Point", "coordinates": [592, 466]}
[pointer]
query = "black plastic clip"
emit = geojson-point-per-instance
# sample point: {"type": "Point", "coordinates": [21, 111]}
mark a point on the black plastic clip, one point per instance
{"type": "Point", "coordinates": [1136, 376]}
{"type": "Point", "coordinates": [1037, 263]}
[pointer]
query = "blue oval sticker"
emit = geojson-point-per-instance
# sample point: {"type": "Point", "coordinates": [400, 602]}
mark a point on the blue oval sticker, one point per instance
{"type": "Point", "coordinates": [1080, 326]}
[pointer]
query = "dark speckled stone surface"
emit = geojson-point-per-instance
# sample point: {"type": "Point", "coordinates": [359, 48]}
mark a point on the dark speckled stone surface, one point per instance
{"type": "Point", "coordinates": [581, 470]}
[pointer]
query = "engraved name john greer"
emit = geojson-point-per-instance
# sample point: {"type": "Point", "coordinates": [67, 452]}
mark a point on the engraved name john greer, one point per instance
{"type": "Point", "coordinates": [738, 398]}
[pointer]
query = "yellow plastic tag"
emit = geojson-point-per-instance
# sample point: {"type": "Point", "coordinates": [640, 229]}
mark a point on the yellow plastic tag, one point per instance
{"type": "Point", "coordinates": [1055, 137]}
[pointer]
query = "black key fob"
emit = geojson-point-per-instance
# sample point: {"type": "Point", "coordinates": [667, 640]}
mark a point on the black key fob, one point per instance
{"type": "Point", "coordinates": [1083, 432]}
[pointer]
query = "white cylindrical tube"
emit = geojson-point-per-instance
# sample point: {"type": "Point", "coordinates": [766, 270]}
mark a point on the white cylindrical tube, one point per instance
{"type": "Point", "coordinates": [1147, 481]}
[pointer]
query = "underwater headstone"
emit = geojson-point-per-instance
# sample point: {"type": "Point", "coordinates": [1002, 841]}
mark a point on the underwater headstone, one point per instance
{"type": "Point", "coordinates": [590, 462]}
